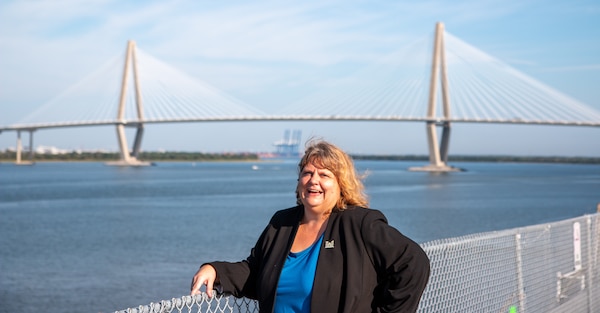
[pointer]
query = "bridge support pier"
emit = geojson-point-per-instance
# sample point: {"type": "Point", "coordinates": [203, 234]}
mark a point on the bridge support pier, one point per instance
{"type": "Point", "coordinates": [438, 156]}
{"type": "Point", "coordinates": [137, 142]}
{"type": "Point", "coordinates": [124, 151]}
{"type": "Point", "coordinates": [130, 158]}
{"type": "Point", "coordinates": [445, 144]}
{"type": "Point", "coordinates": [19, 151]}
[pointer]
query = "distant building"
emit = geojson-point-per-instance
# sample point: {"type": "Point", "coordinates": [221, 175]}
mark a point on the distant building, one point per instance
{"type": "Point", "coordinates": [288, 147]}
{"type": "Point", "coordinates": [50, 150]}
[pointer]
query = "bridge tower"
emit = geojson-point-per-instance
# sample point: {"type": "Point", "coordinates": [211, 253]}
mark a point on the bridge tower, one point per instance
{"type": "Point", "coordinates": [438, 155]}
{"type": "Point", "coordinates": [130, 158]}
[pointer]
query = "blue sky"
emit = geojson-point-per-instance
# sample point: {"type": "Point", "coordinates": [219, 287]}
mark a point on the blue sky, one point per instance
{"type": "Point", "coordinates": [269, 53]}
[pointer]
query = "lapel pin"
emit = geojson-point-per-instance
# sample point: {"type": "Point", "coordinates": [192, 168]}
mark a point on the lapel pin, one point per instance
{"type": "Point", "coordinates": [329, 244]}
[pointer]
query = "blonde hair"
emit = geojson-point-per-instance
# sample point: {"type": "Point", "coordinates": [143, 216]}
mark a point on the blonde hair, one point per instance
{"type": "Point", "coordinates": [326, 155]}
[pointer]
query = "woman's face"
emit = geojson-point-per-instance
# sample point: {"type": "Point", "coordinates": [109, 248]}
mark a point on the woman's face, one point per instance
{"type": "Point", "coordinates": [318, 188]}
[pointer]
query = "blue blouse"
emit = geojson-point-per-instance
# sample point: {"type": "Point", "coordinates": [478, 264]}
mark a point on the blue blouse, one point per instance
{"type": "Point", "coordinates": [295, 286]}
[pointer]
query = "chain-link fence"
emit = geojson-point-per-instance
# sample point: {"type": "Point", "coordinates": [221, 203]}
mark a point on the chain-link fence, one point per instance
{"type": "Point", "coordinates": [547, 268]}
{"type": "Point", "coordinates": [543, 268]}
{"type": "Point", "coordinates": [200, 304]}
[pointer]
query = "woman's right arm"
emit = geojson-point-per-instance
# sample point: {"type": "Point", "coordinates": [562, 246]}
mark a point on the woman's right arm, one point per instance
{"type": "Point", "coordinates": [240, 278]}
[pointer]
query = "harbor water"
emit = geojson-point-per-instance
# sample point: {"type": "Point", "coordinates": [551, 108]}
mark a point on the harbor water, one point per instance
{"type": "Point", "coordinates": [86, 237]}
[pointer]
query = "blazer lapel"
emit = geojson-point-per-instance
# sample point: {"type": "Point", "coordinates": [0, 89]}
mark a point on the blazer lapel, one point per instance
{"type": "Point", "coordinates": [327, 286]}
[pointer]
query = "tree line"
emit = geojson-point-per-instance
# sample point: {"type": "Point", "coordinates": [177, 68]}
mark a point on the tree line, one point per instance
{"type": "Point", "coordinates": [173, 156]}
{"type": "Point", "coordinates": [146, 156]}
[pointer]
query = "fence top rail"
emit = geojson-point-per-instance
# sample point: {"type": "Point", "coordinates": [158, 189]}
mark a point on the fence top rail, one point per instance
{"type": "Point", "coordinates": [438, 243]}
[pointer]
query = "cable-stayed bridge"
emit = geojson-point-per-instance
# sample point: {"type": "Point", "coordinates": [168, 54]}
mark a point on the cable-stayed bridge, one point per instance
{"type": "Point", "coordinates": [440, 84]}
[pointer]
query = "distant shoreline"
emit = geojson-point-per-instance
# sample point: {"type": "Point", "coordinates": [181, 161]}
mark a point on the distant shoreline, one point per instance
{"type": "Point", "coordinates": [486, 158]}
{"type": "Point", "coordinates": [174, 156]}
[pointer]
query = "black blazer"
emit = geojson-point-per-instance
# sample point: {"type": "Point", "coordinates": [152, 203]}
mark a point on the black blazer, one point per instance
{"type": "Point", "coordinates": [364, 265]}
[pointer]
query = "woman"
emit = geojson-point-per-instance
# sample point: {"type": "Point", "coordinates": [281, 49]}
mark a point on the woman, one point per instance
{"type": "Point", "coordinates": [328, 254]}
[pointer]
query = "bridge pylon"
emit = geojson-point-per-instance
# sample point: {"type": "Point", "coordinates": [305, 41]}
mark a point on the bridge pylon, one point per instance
{"type": "Point", "coordinates": [130, 158]}
{"type": "Point", "coordinates": [438, 155]}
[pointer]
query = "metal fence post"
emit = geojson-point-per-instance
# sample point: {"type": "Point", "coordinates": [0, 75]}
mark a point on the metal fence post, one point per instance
{"type": "Point", "coordinates": [521, 289]}
{"type": "Point", "coordinates": [590, 265]}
